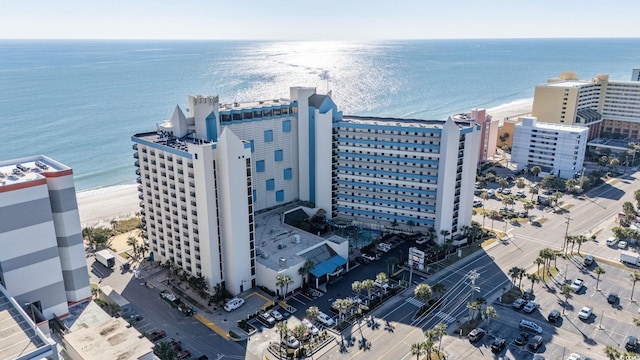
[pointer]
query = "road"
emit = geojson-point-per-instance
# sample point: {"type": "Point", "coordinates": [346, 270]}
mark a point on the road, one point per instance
{"type": "Point", "coordinates": [397, 329]}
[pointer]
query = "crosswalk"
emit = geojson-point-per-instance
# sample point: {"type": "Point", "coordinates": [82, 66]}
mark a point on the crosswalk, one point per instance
{"type": "Point", "coordinates": [415, 302]}
{"type": "Point", "coordinates": [446, 318]}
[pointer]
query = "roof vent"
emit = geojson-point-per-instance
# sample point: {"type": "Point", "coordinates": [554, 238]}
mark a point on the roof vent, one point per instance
{"type": "Point", "coordinates": [295, 239]}
{"type": "Point", "coordinates": [283, 262]}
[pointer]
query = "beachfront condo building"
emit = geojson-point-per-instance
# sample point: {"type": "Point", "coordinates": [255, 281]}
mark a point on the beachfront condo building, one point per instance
{"type": "Point", "coordinates": [203, 177]}
{"type": "Point", "coordinates": [609, 108]}
{"type": "Point", "coordinates": [557, 148]}
{"type": "Point", "coordinates": [42, 262]}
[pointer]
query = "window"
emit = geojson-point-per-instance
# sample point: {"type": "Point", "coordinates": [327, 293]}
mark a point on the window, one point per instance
{"type": "Point", "coordinates": [280, 195]}
{"type": "Point", "coordinates": [260, 166]}
{"type": "Point", "coordinates": [271, 184]}
{"type": "Point", "coordinates": [254, 196]}
{"type": "Point", "coordinates": [253, 147]}
{"type": "Point", "coordinates": [277, 155]}
{"type": "Point", "coordinates": [288, 174]}
{"type": "Point", "coordinates": [286, 126]}
{"type": "Point", "coordinates": [268, 136]}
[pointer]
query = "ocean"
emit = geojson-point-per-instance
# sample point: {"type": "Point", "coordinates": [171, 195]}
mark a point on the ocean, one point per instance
{"type": "Point", "coordinates": [79, 102]}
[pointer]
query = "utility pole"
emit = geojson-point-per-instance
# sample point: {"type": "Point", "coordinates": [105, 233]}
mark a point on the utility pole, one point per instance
{"type": "Point", "coordinates": [566, 234]}
{"type": "Point", "coordinates": [473, 276]}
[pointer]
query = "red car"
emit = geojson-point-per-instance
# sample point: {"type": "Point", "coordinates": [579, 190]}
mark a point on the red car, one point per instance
{"type": "Point", "coordinates": [156, 335]}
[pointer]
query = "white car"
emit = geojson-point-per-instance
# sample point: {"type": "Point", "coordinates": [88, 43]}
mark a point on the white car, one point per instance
{"type": "Point", "coordinates": [312, 328]}
{"type": "Point", "coordinates": [574, 356]}
{"type": "Point", "coordinates": [381, 284]}
{"type": "Point", "coordinates": [577, 285]}
{"type": "Point", "coordinates": [585, 312]}
{"type": "Point", "coordinates": [276, 315]}
{"type": "Point", "coordinates": [266, 316]}
{"type": "Point", "coordinates": [291, 342]}
{"type": "Point", "coordinates": [622, 244]}
{"type": "Point", "coordinates": [530, 325]}
{"type": "Point", "coordinates": [384, 247]}
{"type": "Point", "coordinates": [233, 304]}
{"type": "Point", "coordinates": [326, 319]}
{"type": "Point", "coordinates": [611, 241]}
{"type": "Point", "coordinates": [530, 307]}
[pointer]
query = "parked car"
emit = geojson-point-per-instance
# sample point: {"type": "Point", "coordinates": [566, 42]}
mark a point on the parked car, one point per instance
{"type": "Point", "coordinates": [530, 307]}
{"type": "Point", "coordinates": [233, 304]}
{"type": "Point", "coordinates": [553, 316]}
{"type": "Point", "coordinates": [536, 342]}
{"type": "Point", "coordinates": [585, 312]}
{"type": "Point", "coordinates": [522, 338]}
{"type": "Point", "coordinates": [506, 191]}
{"type": "Point", "coordinates": [574, 356]}
{"type": "Point", "coordinates": [156, 335]}
{"type": "Point", "coordinates": [312, 328]}
{"type": "Point", "coordinates": [521, 194]}
{"type": "Point", "coordinates": [325, 319]}
{"type": "Point", "coordinates": [530, 326]}
{"type": "Point", "coordinates": [498, 344]}
{"type": "Point", "coordinates": [383, 285]}
{"type": "Point", "coordinates": [577, 285]}
{"type": "Point", "coordinates": [368, 256]}
{"type": "Point", "coordinates": [184, 354]}
{"type": "Point", "coordinates": [612, 298]}
{"type": "Point", "coordinates": [611, 241]}
{"type": "Point", "coordinates": [588, 260]}
{"type": "Point", "coordinates": [477, 203]}
{"type": "Point", "coordinates": [622, 244]}
{"type": "Point", "coordinates": [267, 318]}
{"type": "Point", "coordinates": [519, 303]}
{"type": "Point", "coordinates": [277, 315]}
{"type": "Point", "coordinates": [476, 334]}
{"type": "Point", "coordinates": [384, 247]}
{"type": "Point", "coordinates": [291, 342]}
{"type": "Point", "coordinates": [631, 344]}
{"type": "Point", "coordinates": [362, 260]}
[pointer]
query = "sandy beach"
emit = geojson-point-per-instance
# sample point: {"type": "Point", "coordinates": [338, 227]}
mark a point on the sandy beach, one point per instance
{"type": "Point", "coordinates": [99, 207]}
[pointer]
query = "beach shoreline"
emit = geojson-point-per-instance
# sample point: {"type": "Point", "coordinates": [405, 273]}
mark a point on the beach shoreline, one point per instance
{"type": "Point", "coordinates": [98, 207]}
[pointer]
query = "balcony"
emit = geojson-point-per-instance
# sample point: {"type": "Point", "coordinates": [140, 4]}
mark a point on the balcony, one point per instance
{"type": "Point", "coordinates": [135, 155]}
{"type": "Point", "coordinates": [134, 146]}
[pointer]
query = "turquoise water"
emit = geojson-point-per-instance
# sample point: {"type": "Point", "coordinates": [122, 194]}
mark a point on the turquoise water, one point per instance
{"type": "Point", "coordinates": [80, 101]}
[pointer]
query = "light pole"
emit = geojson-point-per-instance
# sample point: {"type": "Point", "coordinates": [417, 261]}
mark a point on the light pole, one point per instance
{"type": "Point", "coordinates": [566, 234]}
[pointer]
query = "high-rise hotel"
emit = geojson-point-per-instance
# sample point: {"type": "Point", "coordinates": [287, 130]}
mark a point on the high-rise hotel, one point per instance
{"type": "Point", "coordinates": [202, 177]}
{"type": "Point", "coordinates": [42, 258]}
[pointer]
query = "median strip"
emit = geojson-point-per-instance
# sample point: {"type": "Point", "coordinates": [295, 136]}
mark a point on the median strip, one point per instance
{"type": "Point", "coordinates": [206, 322]}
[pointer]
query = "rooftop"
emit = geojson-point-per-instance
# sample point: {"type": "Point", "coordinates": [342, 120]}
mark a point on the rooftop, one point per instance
{"type": "Point", "coordinates": [415, 123]}
{"type": "Point", "coordinates": [96, 335]}
{"type": "Point", "coordinates": [280, 245]}
{"type": "Point", "coordinates": [18, 335]}
{"type": "Point", "coordinates": [255, 104]}
{"type": "Point", "coordinates": [532, 122]}
{"type": "Point", "coordinates": [569, 83]}
{"type": "Point", "coordinates": [28, 169]}
{"type": "Point", "coordinates": [168, 140]}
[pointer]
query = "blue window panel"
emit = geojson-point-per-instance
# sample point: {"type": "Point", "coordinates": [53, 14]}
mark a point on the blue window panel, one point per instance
{"type": "Point", "coordinates": [268, 136]}
{"type": "Point", "coordinates": [286, 126]}
{"type": "Point", "coordinates": [277, 155]}
{"type": "Point", "coordinates": [280, 195]}
{"type": "Point", "coordinates": [255, 195]}
{"type": "Point", "coordinates": [271, 184]}
{"type": "Point", "coordinates": [288, 174]}
{"type": "Point", "coordinates": [253, 146]}
{"type": "Point", "coordinates": [260, 166]}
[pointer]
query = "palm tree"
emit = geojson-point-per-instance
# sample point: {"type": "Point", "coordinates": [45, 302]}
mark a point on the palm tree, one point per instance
{"type": "Point", "coordinates": [636, 321]}
{"type": "Point", "coordinates": [493, 214]}
{"type": "Point", "coordinates": [539, 261]}
{"type": "Point", "coordinates": [357, 287]}
{"type": "Point", "coordinates": [429, 342]}
{"type": "Point", "coordinates": [581, 239]}
{"type": "Point", "coordinates": [566, 291]}
{"type": "Point", "coordinates": [520, 183]}
{"type": "Point", "coordinates": [635, 276]}
{"type": "Point", "coordinates": [417, 349]}
{"type": "Point", "coordinates": [490, 313]}
{"type": "Point", "coordinates": [533, 191]}
{"type": "Point", "coordinates": [411, 224]}
{"type": "Point", "coordinates": [133, 242]}
{"type": "Point", "coordinates": [422, 292]}
{"type": "Point", "coordinates": [484, 195]}
{"type": "Point", "coordinates": [527, 206]}
{"type": "Point", "coordinates": [382, 279]}
{"type": "Point", "coordinates": [473, 306]}
{"type": "Point", "coordinates": [445, 233]}
{"type": "Point", "coordinates": [304, 270]}
{"type": "Point", "coordinates": [534, 279]}
{"type": "Point", "coordinates": [165, 351]}
{"type": "Point", "coordinates": [503, 183]}
{"type": "Point", "coordinates": [599, 271]}
{"type": "Point", "coordinates": [368, 285]}
{"type": "Point", "coordinates": [393, 261]}
{"type": "Point", "coordinates": [440, 330]}
{"type": "Point", "coordinates": [313, 312]}
{"type": "Point", "coordinates": [535, 170]}
{"type": "Point", "coordinates": [282, 282]}
{"type": "Point", "coordinates": [282, 329]}
{"type": "Point", "coordinates": [521, 273]}
{"type": "Point", "coordinates": [513, 274]}
{"type": "Point", "coordinates": [342, 306]}
{"type": "Point", "coordinates": [612, 353]}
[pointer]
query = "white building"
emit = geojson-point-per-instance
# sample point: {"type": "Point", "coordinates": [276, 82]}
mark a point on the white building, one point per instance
{"type": "Point", "coordinates": [42, 261]}
{"type": "Point", "coordinates": [558, 148]}
{"type": "Point", "coordinates": [203, 177]}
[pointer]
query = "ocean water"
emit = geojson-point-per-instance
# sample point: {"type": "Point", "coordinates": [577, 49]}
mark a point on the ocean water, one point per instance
{"type": "Point", "coordinates": [80, 101]}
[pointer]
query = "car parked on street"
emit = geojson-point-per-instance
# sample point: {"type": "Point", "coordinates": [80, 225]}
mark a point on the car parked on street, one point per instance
{"type": "Point", "coordinates": [476, 334]}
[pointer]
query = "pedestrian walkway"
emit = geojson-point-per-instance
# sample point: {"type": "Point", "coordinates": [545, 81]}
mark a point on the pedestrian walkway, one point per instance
{"type": "Point", "coordinates": [415, 302]}
{"type": "Point", "coordinates": [446, 318]}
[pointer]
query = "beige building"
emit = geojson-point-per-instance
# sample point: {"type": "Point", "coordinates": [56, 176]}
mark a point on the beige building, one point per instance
{"type": "Point", "coordinates": [609, 108]}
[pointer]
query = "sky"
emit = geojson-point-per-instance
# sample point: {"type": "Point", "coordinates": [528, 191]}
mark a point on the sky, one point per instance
{"type": "Point", "coordinates": [316, 20]}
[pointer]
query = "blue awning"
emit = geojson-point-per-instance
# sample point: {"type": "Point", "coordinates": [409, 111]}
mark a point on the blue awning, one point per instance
{"type": "Point", "coordinates": [328, 266]}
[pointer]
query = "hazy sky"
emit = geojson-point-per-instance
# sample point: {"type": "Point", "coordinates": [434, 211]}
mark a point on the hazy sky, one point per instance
{"type": "Point", "coordinates": [316, 20]}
